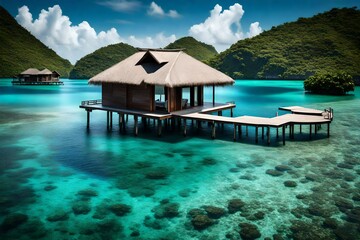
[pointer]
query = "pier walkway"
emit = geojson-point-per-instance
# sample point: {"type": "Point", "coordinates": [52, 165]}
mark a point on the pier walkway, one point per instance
{"type": "Point", "coordinates": [299, 116]}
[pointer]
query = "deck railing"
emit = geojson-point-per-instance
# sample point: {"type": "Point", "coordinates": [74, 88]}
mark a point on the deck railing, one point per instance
{"type": "Point", "coordinates": [91, 102]}
{"type": "Point", "coordinates": [329, 113]}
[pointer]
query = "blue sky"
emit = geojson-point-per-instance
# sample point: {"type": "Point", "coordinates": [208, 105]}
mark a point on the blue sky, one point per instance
{"type": "Point", "coordinates": [73, 28]}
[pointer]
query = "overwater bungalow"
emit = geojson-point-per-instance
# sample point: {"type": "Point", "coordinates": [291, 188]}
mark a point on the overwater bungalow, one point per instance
{"type": "Point", "coordinates": [136, 86]}
{"type": "Point", "coordinates": [33, 76]}
{"type": "Point", "coordinates": [138, 82]}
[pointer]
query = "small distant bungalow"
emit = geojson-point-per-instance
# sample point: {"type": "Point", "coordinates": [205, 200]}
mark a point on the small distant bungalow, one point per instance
{"type": "Point", "coordinates": [140, 81]}
{"type": "Point", "coordinates": [33, 76]}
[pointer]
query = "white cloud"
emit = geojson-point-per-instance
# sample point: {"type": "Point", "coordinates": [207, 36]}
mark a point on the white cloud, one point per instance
{"type": "Point", "coordinates": [73, 42]}
{"type": "Point", "coordinates": [157, 11]}
{"type": "Point", "coordinates": [254, 30]}
{"type": "Point", "coordinates": [223, 28]}
{"type": "Point", "coordinates": [121, 5]}
{"type": "Point", "coordinates": [160, 40]}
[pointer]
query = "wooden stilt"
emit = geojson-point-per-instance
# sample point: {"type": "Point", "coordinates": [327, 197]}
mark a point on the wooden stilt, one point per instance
{"type": "Point", "coordinates": [184, 127]}
{"type": "Point", "coordinates": [277, 132]}
{"type": "Point", "coordinates": [123, 122]}
{"type": "Point", "coordinates": [283, 134]}
{"type": "Point", "coordinates": [127, 117]}
{"type": "Point", "coordinates": [316, 128]}
{"type": "Point", "coordinates": [328, 129]}
{"type": "Point", "coordinates": [231, 112]}
{"type": "Point", "coordinates": [256, 134]}
{"type": "Point", "coordinates": [110, 113]}
{"type": "Point", "coordinates": [240, 131]}
{"type": "Point", "coordinates": [300, 128]}
{"type": "Point", "coordinates": [262, 132]}
{"type": "Point", "coordinates": [290, 132]}
{"type": "Point", "coordinates": [310, 131]}
{"type": "Point", "coordinates": [159, 127]}
{"type": "Point", "coordinates": [213, 130]}
{"type": "Point", "coordinates": [107, 120]}
{"type": "Point", "coordinates": [247, 131]}
{"type": "Point", "coordinates": [136, 129]}
{"type": "Point", "coordinates": [88, 118]}
{"type": "Point", "coordinates": [234, 132]}
{"type": "Point", "coordinates": [268, 135]}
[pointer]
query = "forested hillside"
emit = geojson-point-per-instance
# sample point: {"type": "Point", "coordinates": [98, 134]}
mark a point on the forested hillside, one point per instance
{"type": "Point", "coordinates": [326, 42]}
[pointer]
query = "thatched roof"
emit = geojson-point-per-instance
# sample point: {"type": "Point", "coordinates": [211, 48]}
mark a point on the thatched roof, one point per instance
{"type": "Point", "coordinates": [30, 71]}
{"type": "Point", "coordinates": [171, 68]}
{"type": "Point", "coordinates": [45, 72]}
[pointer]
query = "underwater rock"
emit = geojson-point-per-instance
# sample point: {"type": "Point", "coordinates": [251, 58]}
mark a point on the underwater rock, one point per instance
{"type": "Point", "coordinates": [317, 210]}
{"type": "Point", "coordinates": [242, 165]}
{"type": "Point", "coordinates": [58, 215]}
{"type": "Point", "coordinates": [330, 223]}
{"type": "Point", "coordinates": [33, 229]}
{"type": "Point", "coordinates": [282, 168]}
{"type": "Point", "coordinates": [88, 193]}
{"type": "Point", "coordinates": [274, 173]}
{"type": "Point", "coordinates": [346, 232]}
{"type": "Point", "coordinates": [214, 212]}
{"type": "Point", "coordinates": [301, 196]}
{"type": "Point", "coordinates": [158, 173]}
{"type": "Point", "coordinates": [345, 165]}
{"type": "Point", "coordinates": [195, 211]}
{"type": "Point", "coordinates": [234, 170]}
{"type": "Point", "coordinates": [249, 231]}
{"type": "Point", "coordinates": [184, 193]}
{"type": "Point", "coordinates": [259, 215]}
{"type": "Point", "coordinates": [135, 233]}
{"type": "Point", "coordinates": [109, 225]}
{"type": "Point", "coordinates": [277, 237]}
{"type": "Point", "coordinates": [120, 209]}
{"type": "Point", "coordinates": [166, 210]}
{"type": "Point", "coordinates": [343, 204]}
{"type": "Point", "coordinates": [13, 220]}
{"type": "Point", "coordinates": [208, 161]}
{"type": "Point", "coordinates": [354, 215]}
{"type": "Point", "coordinates": [356, 197]}
{"type": "Point", "coordinates": [146, 191]}
{"type": "Point", "coordinates": [81, 208]}
{"type": "Point", "coordinates": [248, 177]}
{"type": "Point", "coordinates": [312, 177]}
{"type": "Point", "coordinates": [304, 230]}
{"type": "Point", "coordinates": [290, 184]}
{"type": "Point", "coordinates": [154, 224]}
{"type": "Point", "coordinates": [201, 222]}
{"type": "Point", "coordinates": [235, 205]}
{"type": "Point", "coordinates": [349, 177]}
{"type": "Point", "coordinates": [49, 188]}
{"type": "Point", "coordinates": [142, 164]}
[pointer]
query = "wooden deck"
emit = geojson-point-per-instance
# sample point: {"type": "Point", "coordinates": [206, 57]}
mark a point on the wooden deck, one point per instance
{"type": "Point", "coordinates": [300, 116]}
{"type": "Point", "coordinates": [37, 83]}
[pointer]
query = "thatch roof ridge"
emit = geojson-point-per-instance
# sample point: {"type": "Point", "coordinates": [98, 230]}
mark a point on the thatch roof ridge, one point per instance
{"type": "Point", "coordinates": [30, 71]}
{"type": "Point", "coordinates": [45, 71]}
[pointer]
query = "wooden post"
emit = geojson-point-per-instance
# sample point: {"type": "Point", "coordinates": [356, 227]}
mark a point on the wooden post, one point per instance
{"type": "Point", "coordinates": [111, 119]}
{"type": "Point", "coordinates": [300, 128]}
{"type": "Point", "coordinates": [247, 130]}
{"type": "Point", "coordinates": [213, 95]}
{"type": "Point", "coordinates": [234, 132]}
{"type": "Point", "coordinates": [213, 130]}
{"type": "Point", "coordinates": [290, 134]}
{"type": "Point", "coordinates": [107, 120]}
{"type": "Point", "coordinates": [277, 132]}
{"type": "Point", "coordinates": [136, 129]}
{"type": "Point", "coordinates": [328, 129]}
{"type": "Point", "coordinates": [256, 134]}
{"type": "Point", "coordinates": [123, 122]}
{"type": "Point", "coordinates": [184, 127]}
{"type": "Point", "coordinates": [310, 131]}
{"type": "Point", "coordinates": [231, 112]}
{"type": "Point", "coordinates": [240, 131]}
{"type": "Point", "coordinates": [283, 134]}
{"type": "Point", "coordinates": [159, 127]}
{"type": "Point", "coordinates": [88, 118]}
{"type": "Point", "coordinates": [262, 132]}
{"type": "Point", "coordinates": [268, 135]}
{"type": "Point", "coordinates": [127, 117]}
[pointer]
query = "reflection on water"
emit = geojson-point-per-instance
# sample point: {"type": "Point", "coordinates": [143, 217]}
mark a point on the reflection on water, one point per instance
{"type": "Point", "coordinates": [61, 182]}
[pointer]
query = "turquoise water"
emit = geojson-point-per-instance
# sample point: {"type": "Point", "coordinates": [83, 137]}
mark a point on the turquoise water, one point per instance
{"type": "Point", "coordinates": [59, 181]}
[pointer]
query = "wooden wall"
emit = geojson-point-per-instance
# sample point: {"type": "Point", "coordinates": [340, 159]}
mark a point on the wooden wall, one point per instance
{"type": "Point", "coordinates": [128, 96]}
{"type": "Point", "coordinates": [174, 99]}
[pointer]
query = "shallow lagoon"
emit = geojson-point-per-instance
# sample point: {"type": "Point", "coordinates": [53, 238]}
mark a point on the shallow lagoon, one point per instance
{"type": "Point", "coordinates": [60, 181]}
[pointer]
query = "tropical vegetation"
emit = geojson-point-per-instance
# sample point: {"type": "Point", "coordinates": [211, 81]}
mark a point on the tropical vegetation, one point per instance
{"type": "Point", "coordinates": [297, 50]}
{"type": "Point", "coordinates": [338, 83]}
{"type": "Point", "coordinates": [19, 50]}
{"type": "Point", "coordinates": [101, 59]}
{"type": "Point", "coordinates": [194, 48]}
